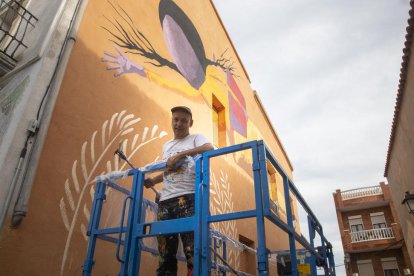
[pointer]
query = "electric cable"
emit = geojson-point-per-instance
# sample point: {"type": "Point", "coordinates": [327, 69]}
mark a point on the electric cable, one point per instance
{"type": "Point", "coordinates": [72, 20]}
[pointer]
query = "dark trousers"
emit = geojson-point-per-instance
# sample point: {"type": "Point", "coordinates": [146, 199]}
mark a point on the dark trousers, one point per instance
{"type": "Point", "coordinates": [178, 207]}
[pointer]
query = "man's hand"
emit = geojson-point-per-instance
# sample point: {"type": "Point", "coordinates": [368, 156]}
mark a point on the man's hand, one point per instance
{"type": "Point", "coordinates": [173, 160]}
{"type": "Point", "coordinates": [149, 182]}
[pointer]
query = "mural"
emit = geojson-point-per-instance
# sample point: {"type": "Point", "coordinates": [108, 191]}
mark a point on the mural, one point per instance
{"type": "Point", "coordinates": [222, 203]}
{"type": "Point", "coordinates": [161, 53]}
{"type": "Point", "coordinates": [72, 205]}
{"type": "Point", "coordinates": [201, 77]}
{"type": "Point", "coordinates": [189, 60]}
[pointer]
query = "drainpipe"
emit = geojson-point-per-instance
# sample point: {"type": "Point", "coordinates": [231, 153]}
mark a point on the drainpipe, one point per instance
{"type": "Point", "coordinates": [21, 207]}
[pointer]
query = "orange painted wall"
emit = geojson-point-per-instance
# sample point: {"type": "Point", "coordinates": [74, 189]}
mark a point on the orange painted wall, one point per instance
{"type": "Point", "coordinates": [96, 111]}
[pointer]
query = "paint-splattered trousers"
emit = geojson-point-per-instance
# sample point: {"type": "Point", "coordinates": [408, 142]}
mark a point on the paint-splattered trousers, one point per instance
{"type": "Point", "coordinates": [178, 207]}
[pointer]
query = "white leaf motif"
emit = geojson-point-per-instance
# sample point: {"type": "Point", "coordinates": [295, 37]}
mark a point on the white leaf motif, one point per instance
{"type": "Point", "coordinates": [119, 117]}
{"type": "Point", "coordinates": [103, 134]}
{"type": "Point", "coordinates": [86, 212]}
{"type": "Point", "coordinates": [69, 195]}
{"type": "Point", "coordinates": [92, 192]}
{"type": "Point", "coordinates": [83, 161]}
{"type": "Point", "coordinates": [126, 118]}
{"type": "Point", "coordinates": [62, 207]}
{"type": "Point", "coordinates": [119, 126]}
{"type": "Point", "coordinates": [75, 176]}
{"type": "Point", "coordinates": [112, 123]}
{"type": "Point", "coordinates": [83, 231]}
{"type": "Point", "coordinates": [154, 130]}
{"type": "Point", "coordinates": [134, 142]}
{"type": "Point", "coordinates": [144, 135]}
{"type": "Point", "coordinates": [93, 146]}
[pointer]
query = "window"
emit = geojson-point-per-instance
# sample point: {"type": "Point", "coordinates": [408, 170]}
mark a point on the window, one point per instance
{"type": "Point", "coordinates": [378, 220]}
{"type": "Point", "coordinates": [390, 266]}
{"type": "Point", "coordinates": [272, 185]}
{"type": "Point", "coordinates": [271, 179]}
{"type": "Point", "coordinates": [355, 223]}
{"type": "Point", "coordinates": [357, 228]}
{"type": "Point", "coordinates": [246, 257]}
{"type": "Point", "coordinates": [365, 268]}
{"type": "Point", "coordinates": [15, 22]}
{"type": "Point", "coordinates": [391, 272]}
{"type": "Point", "coordinates": [219, 124]}
{"type": "Point", "coordinates": [292, 208]}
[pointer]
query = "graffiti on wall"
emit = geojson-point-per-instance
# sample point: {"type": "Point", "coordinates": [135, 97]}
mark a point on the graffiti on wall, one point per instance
{"type": "Point", "coordinates": [75, 205]}
{"type": "Point", "coordinates": [201, 76]}
{"type": "Point", "coordinates": [184, 44]}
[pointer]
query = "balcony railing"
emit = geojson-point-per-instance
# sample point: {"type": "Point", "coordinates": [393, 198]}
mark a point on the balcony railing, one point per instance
{"type": "Point", "coordinates": [361, 192]}
{"type": "Point", "coordinates": [15, 22]}
{"type": "Point", "coordinates": [371, 235]}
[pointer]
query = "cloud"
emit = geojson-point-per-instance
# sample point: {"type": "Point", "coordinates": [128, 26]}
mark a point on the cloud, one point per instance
{"type": "Point", "coordinates": [327, 73]}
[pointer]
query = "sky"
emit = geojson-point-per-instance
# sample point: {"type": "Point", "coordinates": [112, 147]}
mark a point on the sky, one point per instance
{"type": "Point", "coordinates": [327, 73]}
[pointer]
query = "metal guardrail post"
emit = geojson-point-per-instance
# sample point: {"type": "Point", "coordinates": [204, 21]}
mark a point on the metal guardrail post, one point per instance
{"type": "Point", "coordinates": [93, 226]}
{"type": "Point", "coordinates": [137, 228]}
{"type": "Point", "coordinates": [205, 264]}
{"type": "Point", "coordinates": [325, 256]}
{"type": "Point", "coordinates": [331, 260]}
{"type": "Point", "coordinates": [292, 246]}
{"type": "Point", "coordinates": [260, 183]}
{"type": "Point", "coordinates": [121, 229]}
{"type": "Point", "coordinates": [312, 234]}
{"type": "Point", "coordinates": [224, 246]}
{"type": "Point", "coordinates": [197, 217]}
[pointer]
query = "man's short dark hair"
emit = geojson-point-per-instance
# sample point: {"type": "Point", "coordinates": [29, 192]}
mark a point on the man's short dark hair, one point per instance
{"type": "Point", "coordinates": [182, 108]}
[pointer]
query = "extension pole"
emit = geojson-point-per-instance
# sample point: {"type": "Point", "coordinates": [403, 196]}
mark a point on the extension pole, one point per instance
{"type": "Point", "coordinates": [122, 156]}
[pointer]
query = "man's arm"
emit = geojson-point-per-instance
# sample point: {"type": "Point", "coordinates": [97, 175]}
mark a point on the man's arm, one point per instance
{"type": "Point", "coordinates": [151, 181]}
{"type": "Point", "coordinates": [191, 152]}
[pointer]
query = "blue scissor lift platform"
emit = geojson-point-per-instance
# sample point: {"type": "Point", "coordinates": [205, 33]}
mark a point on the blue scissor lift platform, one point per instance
{"type": "Point", "coordinates": [133, 229]}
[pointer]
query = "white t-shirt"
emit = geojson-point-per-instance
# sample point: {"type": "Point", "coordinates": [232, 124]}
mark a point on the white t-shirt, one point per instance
{"type": "Point", "coordinates": [181, 181]}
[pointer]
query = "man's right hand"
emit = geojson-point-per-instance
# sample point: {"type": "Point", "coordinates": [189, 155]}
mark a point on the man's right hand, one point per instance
{"type": "Point", "coordinates": [148, 183]}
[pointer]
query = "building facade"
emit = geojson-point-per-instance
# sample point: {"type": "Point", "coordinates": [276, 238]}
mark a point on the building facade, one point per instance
{"type": "Point", "coordinates": [96, 75]}
{"type": "Point", "coordinates": [400, 159]}
{"type": "Point", "coordinates": [371, 233]}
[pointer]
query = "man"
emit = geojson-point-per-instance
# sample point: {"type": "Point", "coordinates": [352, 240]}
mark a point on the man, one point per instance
{"type": "Point", "coordinates": [177, 195]}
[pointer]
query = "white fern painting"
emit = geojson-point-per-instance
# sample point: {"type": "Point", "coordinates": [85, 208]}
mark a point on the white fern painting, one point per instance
{"type": "Point", "coordinates": [222, 203]}
{"type": "Point", "coordinates": [118, 128]}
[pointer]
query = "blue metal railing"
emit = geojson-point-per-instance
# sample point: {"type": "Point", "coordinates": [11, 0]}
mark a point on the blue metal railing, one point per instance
{"type": "Point", "coordinates": [136, 228]}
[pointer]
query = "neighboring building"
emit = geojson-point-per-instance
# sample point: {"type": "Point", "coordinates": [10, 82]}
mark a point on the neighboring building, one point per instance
{"type": "Point", "coordinates": [400, 158]}
{"type": "Point", "coordinates": [63, 113]}
{"type": "Point", "coordinates": [371, 233]}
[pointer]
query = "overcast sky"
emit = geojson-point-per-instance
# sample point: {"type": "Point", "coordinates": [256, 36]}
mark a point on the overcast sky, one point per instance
{"type": "Point", "coordinates": [327, 73]}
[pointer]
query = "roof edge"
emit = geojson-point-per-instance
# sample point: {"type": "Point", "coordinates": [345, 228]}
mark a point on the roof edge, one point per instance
{"type": "Point", "coordinates": [402, 83]}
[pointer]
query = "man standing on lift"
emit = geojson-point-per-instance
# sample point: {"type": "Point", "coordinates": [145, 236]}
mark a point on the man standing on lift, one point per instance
{"type": "Point", "coordinates": [177, 195]}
